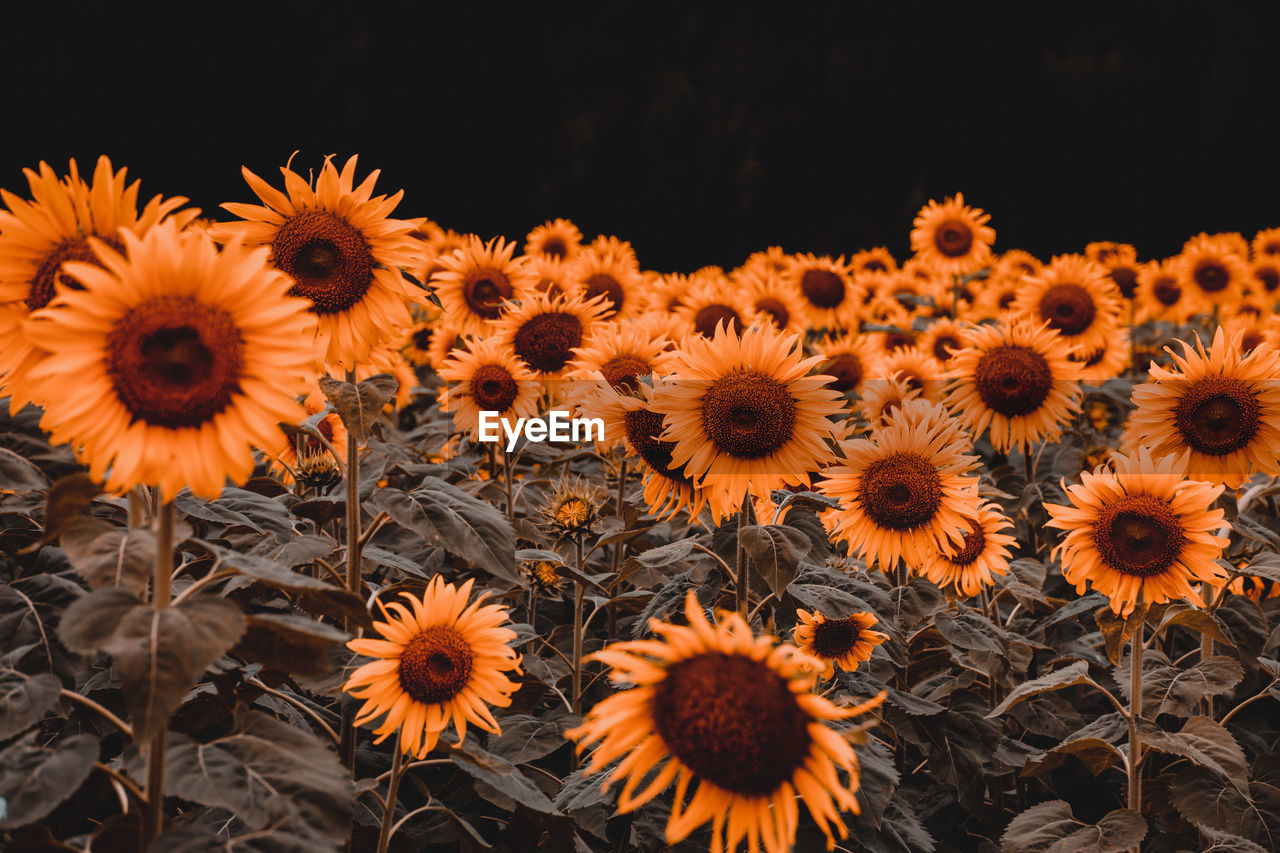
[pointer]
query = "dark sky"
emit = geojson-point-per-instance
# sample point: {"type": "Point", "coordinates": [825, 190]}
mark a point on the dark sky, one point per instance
{"type": "Point", "coordinates": [700, 135]}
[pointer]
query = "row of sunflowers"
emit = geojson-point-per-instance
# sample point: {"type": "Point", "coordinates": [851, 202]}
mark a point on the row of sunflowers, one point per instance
{"type": "Point", "coordinates": [923, 547]}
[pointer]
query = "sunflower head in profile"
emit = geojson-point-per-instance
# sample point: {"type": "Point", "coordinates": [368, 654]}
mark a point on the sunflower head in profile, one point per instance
{"type": "Point", "coordinates": [1160, 294]}
{"type": "Point", "coordinates": [441, 658]}
{"type": "Point", "coordinates": [475, 281]}
{"type": "Point", "coordinates": [55, 226]}
{"type": "Point", "coordinates": [1074, 296]}
{"type": "Point", "coordinates": [345, 254]}
{"type": "Point", "coordinates": [171, 362]}
{"type": "Point", "coordinates": [1217, 405]}
{"type": "Point", "coordinates": [732, 717]}
{"type": "Point", "coordinates": [573, 507]}
{"type": "Point", "coordinates": [1015, 380]}
{"type": "Point", "coordinates": [1140, 532]}
{"type": "Point", "coordinates": [1265, 244]}
{"type": "Point", "coordinates": [952, 238]}
{"type": "Point", "coordinates": [1213, 270]}
{"type": "Point", "coordinates": [486, 377]}
{"type": "Point", "coordinates": [844, 642]}
{"type": "Point", "coordinates": [606, 270]}
{"type": "Point", "coordinates": [544, 331]}
{"type": "Point", "coordinates": [745, 414]}
{"type": "Point", "coordinates": [314, 460]}
{"type": "Point", "coordinates": [558, 239]}
{"type": "Point", "coordinates": [969, 566]}
{"type": "Point", "coordinates": [905, 490]}
{"type": "Point", "coordinates": [824, 286]}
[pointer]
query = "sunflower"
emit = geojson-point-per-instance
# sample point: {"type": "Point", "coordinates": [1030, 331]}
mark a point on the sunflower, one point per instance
{"type": "Point", "coordinates": [37, 236]}
{"type": "Point", "coordinates": [607, 268]}
{"type": "Point", "coordinates": [1016, 379]}
{"type": "Point", "coordinates": [1123, 272]}
{"type": "Point", "coordinates": [1265, 243]}
{"type": "Point", "coordinates": [558, 239]}
{"type": "Point", "coordinates": [983, 555]}
{"type": "Point", "coordinates": [848, 641]}
{"type": "Point", "coordinates": [1212, 271]}
{"type": "Point", "coordinates": [772, 259]}
{"type": "Point", "coordinates": [766, 296]}
{"type": "Point", "coordinates": [952, 238]}
{"type": "Point", "coordinates": [1220, 406]}
{"type": "Point", "coordinates": [1140, 532]}
{"type": "Point", "coordinates": [710, 301]}
{"type": "Point", "coordinates": [1016, 263]}
{"type": "Point", "coordinates": [732, 713]}
{"type": "Point", "coordinates": [1160, 295]}
{"type": "Point", "coordinates": [1264, 275]}
{"type": "Point", "coordinates": [440, 243]}
{"type": "Point", "coordinates": [487, 377]}
{"type": "Point", "coordinates": [847, 359]}
{"type": "Point", "coordinates": [441, 658]}
{"type": "Point", "coordinates": [545, 330]}
{"type": "Point", "coordinates": [1105, 363]}
{"type": "Point", "coordinates": [1253, 331]}
{"type": "Point", "coordinates": [941, 338]}
{"type": "Point", "coordinates": [744, 412]}
{"type": "Point", "coordinates": [878, 259]}
{"type": "Point", "coordinates": [550, 274]}
{"type": "Point", "coordinates": [918, 369]}
{"type": "Point", "coordinates": [297, 453]}
{"type": "Point", "coordinates": [1075, 297]}
{"type": "Point", "coordinates": [173, 361]}
{"type": "Point", "coordinates": [416, 343]}
{"type": "Point", "coordinates": [904, 490]}
{"type": "Point", "coordinates": [825, 288]}
{"type": "Point", "coordinates": [621, 354]}
{"type": "Point", "coordinates": [342, 249]}
{"type": "Point", "coordinates": [1106, 253]}
{"type": "Point", "coordinates": [474, 282]}
{"type": "Point", "coordinates": [879, 398]}
{"type": "Point", "coordinates": [997, 297]}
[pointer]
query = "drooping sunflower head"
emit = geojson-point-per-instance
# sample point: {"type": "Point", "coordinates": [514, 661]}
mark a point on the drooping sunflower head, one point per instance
{"type": "Point", "coordinates": [952, 238]}
{"type": "Point", "coordinates": [846, 642]}
{"type": "Point", "coordinates": [558, 239]}
{"type": "Point", "coordinates": [1140, 532]}
{"type": "Point", "coordinates": [441, 658]}
{"type": "Point", "coordinates": [1074, 296]}
{"type": "Point", "coordinates": [730, 716]}
{"type": "Point", "coordinates": [345, 254]}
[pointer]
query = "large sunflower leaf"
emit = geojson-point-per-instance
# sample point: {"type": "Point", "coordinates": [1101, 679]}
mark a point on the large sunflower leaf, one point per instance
{"type": "Point", "coordinates": [34, 780]}
{"type": "Point", "coordinates": [24, 699]}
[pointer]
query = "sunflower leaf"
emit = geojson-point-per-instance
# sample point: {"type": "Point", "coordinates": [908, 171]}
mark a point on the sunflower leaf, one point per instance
{"type": "Point", "coordinates": [106, 555]}
{"type": "Point", "coordinates": [35, 780]}
{"type": "Point", "coordinates": [1068, 676]}
{"type": "Point", "coordinates": [67, 499]}
{"type": "Point", "coordinates": [1204, 742]}
{"type": "Point", "coordinates": [776, 550]}
{"type": "Point", "coordinates": [502, 775]}
{"type": "Point", "coordinates": [359, 405]}
{"type": "Point", "coordinates": [24, 699]}
{"type": "Point", "coordinates": [1052, 827]}
{"type": "Point", "coordinates": [289, 643]}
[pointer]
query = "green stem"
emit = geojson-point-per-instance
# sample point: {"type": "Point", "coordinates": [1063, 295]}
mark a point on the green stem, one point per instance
{"type": "Point", "coordinates": [389, 807]}
{"type": "Point", "coordinates": [153, 820]}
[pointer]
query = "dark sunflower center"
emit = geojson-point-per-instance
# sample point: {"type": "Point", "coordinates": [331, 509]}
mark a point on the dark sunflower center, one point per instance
{"type": "Point", "coordinates": [1166, 291]}
{"type": "Point", "coordinates": [898, 340]}
{"type": "Point", "coordinates": [546, 341]}
{"type": "Point", "coordinates": [847, 370]}
{"type": "Point", "coordinates": [1251, 340]}
{"type": "Point", "coordinates": [484, 290]}
{"type": "Point", "coordinates": [706, 320]}
{"type": "Point", "coordinates": [1268, 277]}
{"type": "Point", "coordinates": [822, 288]}
{"type": "Point", "coordinates": [1068, 307]}
{"type": "Point", "coordinates": [175, 361]}
{"type": "Point", "coordinates": [748, 414]}
{"type": "Point", "coordinates": [733, 721]}
{"type": "Point", "coordinates": [835, 638]}
{"type": "Point", "coordinates": [1006, 299]}
{"type": "Point", "coordinates": [901, 491]}
{"type": "Point", "coordinates": [874, 265]}
{"type": "Point", "coordinates": [643, 428]}
{"type": "Point", "coordinates": [328, 258]}
{"type": "Point", "coordinates": [493, 389]}
{"type": "Point", "coordinates": [1218, 415]}
{"type": "Point", "coordinates": [1139, 535]}
{"type": "Point", "coordinates": [435, 666]}
{"type": "Point", "coordinates": [1271, 248]}
{"type": "Point", "coordinates": [1126, 278]}
{"type": "Point", "coordinates": [1013, 380]}
{"type": "Point", "coordinates": [953, 238]}
{"type": "Point", "coordinates": [975, 541]}
{"type": "Point", "coordinates": [942, 346]}
{"type": "Point", "coordinates": [621, 371]}
{"type": "Point", "coordinates": [776, 311]}
{"type": "Point", "coordinates": [603, 283]}
{"type": "Point", "coordinates": [1211, 276]}
{"type": "Point", "coordinates": [422, 338]}
{"type": "Point", "coordinates": [44, 284]}
{"type": "Point", "coordinates": [555, 247]}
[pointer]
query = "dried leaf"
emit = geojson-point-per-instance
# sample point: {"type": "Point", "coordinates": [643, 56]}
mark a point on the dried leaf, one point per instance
{"type": "Point", "coordinates": [67, 499]}
{"type": "Point", "coordinates": [359, 405]}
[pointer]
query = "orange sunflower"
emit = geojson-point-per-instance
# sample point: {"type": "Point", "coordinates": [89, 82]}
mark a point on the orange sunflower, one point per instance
{"type": "Point", "coordinates": [1016, 263]}
{"type": "Point", "coordinates": [173, 361]}
{"type": "Point", "coordinates": [985, 553]}
{"type": "Point", "coordinates": [607, 269]}
{"type": "Point", "coordinates": [825, 288]}
{"type": "Point", "coordinates": [766, 296]}
{"type": "Point", "coordinates": [847, 359]}
{"type": "Point", "coordinates": [1220, 406]}
{"type": "Point", "coordinates": [952, 238]}
{"type": "Point", "coordinates": [545, 330]}
{"type": "Point", "coordinates": [916, 368]}
{"type": "Point", "coordinates": [904, 490]}
{"type": "Point", "coordinates": [1160, 294]}
{"type": "Point", "coordinates": [878, 259]}
{"type": "Point", "coordinates": [1107, 362]}
{"type": "Point", "coordinates": [1212, 271]}
{"type": "Point", "coordinates": [879, 398]}
{"type": "Point", "coordinates": [744, 412]}
{"type": "Point", "coordinates": [343, 251]}
{"type": "Point", "coordinates": [1106, 253]}
{"type": "Point", "coordinates": [715, 707]}
{"type": "Point", "coordinates": [942, 338]}
{"type": "Point", "coordinates": [37, 236]}
{"type": "Point", "coordinates": [848, 641]}
{"type": "Point", "coordinates": [300, 454]}
{"type": "Point", "coordinates": [1266, 243]}
{"type": "Point", "coordinates": [487, 377]}
{"type": "Point", "coordinates": [559, 239]}
{"type": "Point", "coordinates": [1016, 380]}
{"type": "Point", "coordinates": [442, 658]}
{"type": "Point", "coordinates": [1074, 296]}
{"type": "Point", "coordinates": [1140, 532]}
{"type": "Point", "coordinates": [709, 302]}
{"type": "Point", "coordinates": [474, 282]}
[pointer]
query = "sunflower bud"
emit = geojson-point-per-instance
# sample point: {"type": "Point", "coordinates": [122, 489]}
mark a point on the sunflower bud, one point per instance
{"type": "Point", "coordinates": [573, 508]}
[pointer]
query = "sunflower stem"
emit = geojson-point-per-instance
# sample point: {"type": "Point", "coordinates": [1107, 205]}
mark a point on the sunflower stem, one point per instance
{"type": "Point", "coordinates": [618, 548]}
{"type": "Point", "coordinates": [744, 569]}
{"type": "Point", "coordinates": [506, 485]}
{"type": "Point", "coordinates": [579, 591]}
{"type": "Point", "coordinates": [955, 295]}
{"type": "Point", "coordinates": [137, 507]}
{"type": "Point", "coordinates": [153, 822]}
{"type": "Point", "coordinates": [347, 746]}
{"type": "Point", "coordinates": [389, 807]}
{"type": "Point", "coordinates": [1206, 652]}
{"type": "Point", "coordinates": [1135, 712]}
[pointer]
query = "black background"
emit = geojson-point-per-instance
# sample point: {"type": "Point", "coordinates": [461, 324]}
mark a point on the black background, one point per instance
{"type": "Point", "coordinates": [700, 134]}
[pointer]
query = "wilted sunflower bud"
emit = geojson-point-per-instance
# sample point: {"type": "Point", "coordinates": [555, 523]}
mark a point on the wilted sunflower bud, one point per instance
{"type": "Point", "coordinates": [573, 508]}
{"type": "Point", "coordinates": [318, 470]}
{"type": "Point", "coordinates": [542, 577]}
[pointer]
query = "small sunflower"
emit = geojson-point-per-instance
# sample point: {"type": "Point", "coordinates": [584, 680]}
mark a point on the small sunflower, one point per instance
{"type": "Point", "coordinates": [997, 298]}
{"type": "Point", "coordinates": [543, 577]}
{"type": "Point", "coordinates": [173, 361]}
{"type": "Point", "coordinates": [942, 338]}
{"type": "Point", "coordinates": [846, 642]}
{"type": "Point", "coordinates": [558, 239]}
{"type": "Point", "coordinates": [38, 236]}
{"type": "Point", "coordinates": [607, 269]}
{"type": "Point", "coordinates": [298, 452]}
{"type": "Point", "coordinates": [342, 249]}
{"type": "Point", "coordinates": [766, 296]}
{"type": "Point", "coordinates": [665, 294]}
{"type": "Point", "coordinates": [715, 707]}
{"type": "Point", "coordinates": [417, 342]}
{"type": "Point", "coordinates": [1265, 244]}
{"type": "Point", "coordinates": [825, 287]}
{"type": "Point", "coordinates": [878, 259]}
{"type": "Point", "coordinates": [916, 368]}
{"type": "Point", "coordinates": [573, 507]}
{"type": "Point", "coordinates": [1106, 253]}
{"type": "Point", "coordinates": [952, 238]}
{"type": "Point", "coordinates": [1015, 379]}
{"type": "Point", "coordinates": [1264, 274]}
{"type": "Point", "coordinates": [744, 412]}
{"type": "Point", "coordinates": [1140, 532]}
{"type": "Point", "coordinates": [1160, 294]}
{"type": "Point", "coordinates": [545, 330]}
{"type": "Point", "coordinates": [879, 398]}
{"type": "Point", "coordinates": [1220, 406]}
{"type": "Point", "coordinates": [1074, 296]}
{"type": "Point", "coordinates": [442, 658]}
{"type": "Point", "coordinates": [847, 359]}
{"type": "Point", "coordinates": [1212, 271]}
{"type": "Point", "coordinates": [1107, 362]}
{"type": "Point", "coordinates": [710, 301]}
{"type": "Point", "coordinates": [975, 563]}
{"type": "Point", "coordinates": [904, 490]}
{"type": "Point", "coordinates": [487, 377]}
{"type": "Point", "coordinates": [474, 283]}
{"type": "Point", "coordinates": [1016, 263]}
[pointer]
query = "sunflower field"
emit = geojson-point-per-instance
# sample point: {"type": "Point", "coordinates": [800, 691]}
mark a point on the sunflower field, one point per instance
{"type": "Point", "coordinates": [324, 529]}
